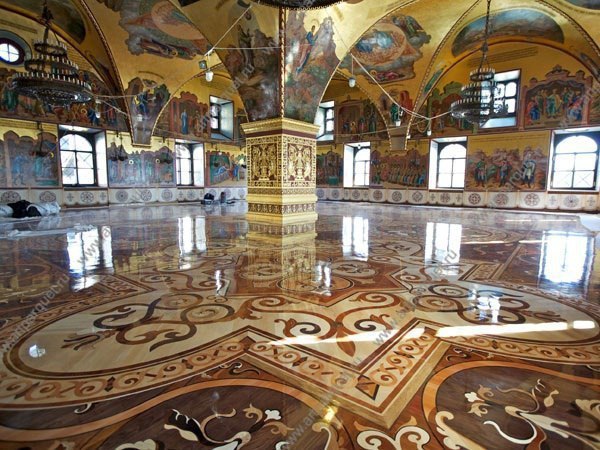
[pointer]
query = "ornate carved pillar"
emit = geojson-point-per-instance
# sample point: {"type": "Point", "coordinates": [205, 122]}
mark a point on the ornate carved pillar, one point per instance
{"type": "Point", "coordinates": [281, 171]}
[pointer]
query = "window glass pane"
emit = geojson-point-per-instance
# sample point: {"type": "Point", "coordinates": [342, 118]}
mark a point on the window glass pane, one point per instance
{"type": "Point", "coordinates": [511, 89]}
{"type": "Point", "coordinates": [445, 166]}
{"type": "Point", "coordinates": [67, 159]}
{"type": "Point", "coordinates": [67, 142]}
{"type": "Point", "coordinates": [453, 151]}
{"type": "Point", "coordinates": [511, 105]}
{"type": "Point", "coordinates": [69, 175]}
{"type": "Point", "coordinates": [329, 125]}
{"type": "Point", "coordinates": [459, 166]}
{"type": "Point", "coordinates": [186, 178]}
{"type": "Point", "coordinates": [85, 161]}
{"type": "Point", "coordinates": [458, 180]}
{"type": "Point", "coordinates": [329, 114]}
{"type": "Point", "coordinates": [585, 161]}
{"type": "Point", "coordinates": [584, 179]}
{"type": "Point", "coordinates": [577, 144]}
{"type": "Point", "coordinates": [86, 176]}
{"type": "Point", "coordinates": [82, 144]}
{"type": "Point", "coordinates": [183, 152]}
{"type": "Point", "coordinates": [445, 180]}
{"type": "Point", "coordinates": [363, 155]}
{"type": "Point", "coordinates": [214, 123]}
{"type": "Point", "coordinates": [562, 179]}
{"type": "Point", "coordinates": [9, 53]}
{"type": "Point", "coordinates": [500, 89]}
{"type": "Point", "coordinates": [564, 162]}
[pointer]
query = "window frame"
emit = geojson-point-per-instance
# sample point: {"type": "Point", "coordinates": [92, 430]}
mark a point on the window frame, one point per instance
{"type": "Point", "coordinates": [516, 78]}
{"type": "Point", "coordinates": [558, 139]}
{"type": "Point", "coordinates": [21, 51]}
{"type": "Point", "coordinates": [327, 136]}
{"type": "Point", "coordinates": [366, 163]}
{"type": "Point", "coordinates": [76, 151]}
{"type": "Point", "coordinates": [219, 103]}
{"type": "Point", "coordinates": [440, 149]}
{"type": "Point", "coordinates": [178, 160]}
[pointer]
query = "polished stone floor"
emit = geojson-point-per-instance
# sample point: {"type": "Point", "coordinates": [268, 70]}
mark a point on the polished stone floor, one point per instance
{"type": "Point", "coordinates": [378, 327]}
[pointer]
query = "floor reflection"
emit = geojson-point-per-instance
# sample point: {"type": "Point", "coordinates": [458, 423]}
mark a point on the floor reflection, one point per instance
{"type": "Point", "coordinates": [184, 326]}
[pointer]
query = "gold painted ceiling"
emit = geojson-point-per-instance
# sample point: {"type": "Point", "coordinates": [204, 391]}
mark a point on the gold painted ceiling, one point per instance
{"type": "Point", "coordinates": [405, 45]}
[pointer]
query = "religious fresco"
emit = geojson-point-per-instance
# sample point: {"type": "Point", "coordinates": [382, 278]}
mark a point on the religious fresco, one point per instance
{"type": "Point", "coordinates": [508, 162]}
{"type": "Point", "coordinates": [330, 168]}
{"type": "Point", "coordinates": [390, 111]}
{"type": "Point", "coordinates": [65, 15]}
{"type": "Point", "coordinates": [29, 162]}
{"type": "Point", "coordinates": [255, 73]}
{"type": "Point", "coordinates": [310, 63]}
{"type": "Point", "coordinates": [147, 101]}
{"type": "Point", "coordinates": [22, 107]}
{"type": "Point", "coordinates": [145, 168]}
{"type": "Point", "coordinates": [407, 169]}
{"type": "Point", "coordinates": [225, 168]}
{"type": "Point", "coordinates": [358, 120]}
{"type": "Point", "coordinates": [159, 28]}
{"type": "Point", "coordinates": [185, 117]}
{"type": "Point", "coordinates": [389, 49]}
{"type": "Point", "coordinates": [560, 100]}
{"type": "Point", "coordinates": [521, 22]}
{"type": "Point", "coordinates": [438, 103]}
{"type": "Point", "coordinates": [589, 4]}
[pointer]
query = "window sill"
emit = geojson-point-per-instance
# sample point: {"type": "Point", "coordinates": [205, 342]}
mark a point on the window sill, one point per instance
{"type": "Point", "coordinates": [573, 191]}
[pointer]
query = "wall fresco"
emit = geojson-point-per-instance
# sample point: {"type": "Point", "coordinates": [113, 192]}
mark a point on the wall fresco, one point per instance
{"type": "Point", "coordinates": [589, 4]}
{"type": "Point", "coordinates": [408, 169]}
{"type": "Point", "coordinates": [389, 49]}
{"type": "Point", "coordinates": [255, 73]}
{"type": "Point", "coordinates": [185, 117]}
{"type": "Point", "coordinates": [147, 101]}
{"type": "Point", "coordinates": [65, 13]}
{"type": "Point", "coordinates": [389, 110]}
{"type": "Point", "coordinates": [144, 168]}
{"type": "Point", "coordinates": [330, 168]}
{"type": "Point", "coordinates": [225, 168]}
{"type": "Point", "coordinates": [438, 103]}
{"type": "Point", "coordinates": [559, 100]}
{"type": "Point", "coordinates": [310, 63]}
{"type": "Point", "coordinates": [159, 28]}
{"type": "Point", "coordinates": [15, 106]}
{"type": "Point", "coordinates": [508, 162]}
{"type": "Point", "coordinates": [358, 120]}
{"type": "Point", "coordinates": [524, 23]}
{"type": "Point", "coordinates": [28, 162]}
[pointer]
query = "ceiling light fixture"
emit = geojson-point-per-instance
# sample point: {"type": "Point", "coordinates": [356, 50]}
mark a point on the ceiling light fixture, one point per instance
{"type": "Point", "coordinates": [477, 103]}
{"type": "Point", "coordinates": [352, 80]}
{"type": "Point", "coordinates": [50, 75]}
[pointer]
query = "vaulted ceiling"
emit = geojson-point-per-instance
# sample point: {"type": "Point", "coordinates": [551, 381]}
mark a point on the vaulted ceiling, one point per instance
{"type": "Point", "coordinates": [402, 44]}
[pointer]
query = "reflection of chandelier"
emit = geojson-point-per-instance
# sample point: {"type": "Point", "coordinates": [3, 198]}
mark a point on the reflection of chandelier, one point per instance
{"type": "Point", "coordinates": [300, 4]}
{"type": "Point", "coordinates": [51, 77]}
{"type": "Point", "coordinates": [477, 97]}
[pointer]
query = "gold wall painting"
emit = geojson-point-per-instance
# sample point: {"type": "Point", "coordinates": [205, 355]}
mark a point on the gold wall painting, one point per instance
{"type": "Point", "coordinates": [330, 167]}
{"type": "Point", "coordinates": [28, 162]}
{"type": "Point", "coordinates": [438, 103]}
{"type": "Point", "coordinates": [225, 168]}
{"type": "Point", "coordinates": [147, 99]}
{"type": "Point", "coordinates": [310, 62]}
{"type": "Point", "coordinates": [145, 168]}
{"type": "Point", "coordinates": [358, 120]}
{"type": "Point", "coordinates": [159, 28]}
{"type": "Point", "coordinates": [408, 169]}
{"type": "Point", "coordinates": [389, 49]}
{"type": "Point", "coordinates": [559, 100]}
{"type": "Point", "coordinates": [508, 162]}
{"type": "Point", "coordinates": [185, 117]}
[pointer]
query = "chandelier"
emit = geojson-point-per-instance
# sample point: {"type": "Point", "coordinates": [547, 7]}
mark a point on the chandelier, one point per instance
{"type": "Point", "coordinates": [476, 105]}
{"type": "Point", "coordinates": [50, 75]}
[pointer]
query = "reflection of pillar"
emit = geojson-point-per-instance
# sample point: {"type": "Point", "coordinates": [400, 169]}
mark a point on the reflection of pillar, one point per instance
{"type": "Point", "coordinates": [281, 170]}
{"type": "Point", "coordinates": [289, 253]}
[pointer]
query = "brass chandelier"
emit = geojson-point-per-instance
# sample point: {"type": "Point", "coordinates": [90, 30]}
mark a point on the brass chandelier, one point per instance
{"type": "Point", "coordinates": [50, 75]}
{"type": "Point", "coordinates": [476, 105]}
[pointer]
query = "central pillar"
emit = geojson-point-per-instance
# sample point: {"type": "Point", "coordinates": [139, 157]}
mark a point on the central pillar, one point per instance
{"type": "Point", "coordinates": [282, 160]}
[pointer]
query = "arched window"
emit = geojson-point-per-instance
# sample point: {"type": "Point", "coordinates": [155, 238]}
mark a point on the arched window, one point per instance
{"type": "Point", "coordinates": [184, 165]}
{"type": "Point", "coordinates": [11, 51]}
{"type": "Point", "coordinates": [451, 166]}
{"type": "Point", "coordinates": [78, 160]}
{"type": "Point", "coordinates": [575, 162]}
{"type": "Point", "coordinates": [362, 163]}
